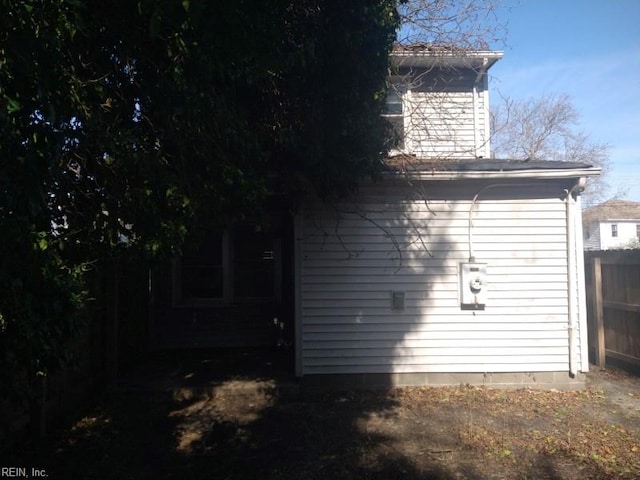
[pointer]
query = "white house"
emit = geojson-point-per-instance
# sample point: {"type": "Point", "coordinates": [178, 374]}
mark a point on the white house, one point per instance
{"type": "Point", "coordinates": [455, 267]}
{"type": "Point", "coordinates": [440, 101]}
{"type": "Point", "coordinates": [614, 224]}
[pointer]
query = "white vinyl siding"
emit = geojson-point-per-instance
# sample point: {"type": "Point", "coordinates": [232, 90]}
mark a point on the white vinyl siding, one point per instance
{"type": "Point", "coordinates": [446, 125]}
{"type": "Point", "coordinates": [353, 258]}
{"type": "Point", "coordinates": [446, 114]}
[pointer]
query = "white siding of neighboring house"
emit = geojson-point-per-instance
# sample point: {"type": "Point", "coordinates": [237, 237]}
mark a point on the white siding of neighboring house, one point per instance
{"type": "Point", "coordinates": [627, 234]}
{"type": "Point", "coordinates": [389, 240]}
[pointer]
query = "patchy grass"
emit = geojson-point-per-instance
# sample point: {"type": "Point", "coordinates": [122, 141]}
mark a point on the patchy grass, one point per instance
{"type": "Point", "coordinates": [248, 428]}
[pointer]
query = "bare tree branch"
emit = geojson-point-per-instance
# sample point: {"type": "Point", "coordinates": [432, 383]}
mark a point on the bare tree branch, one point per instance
{"type": "Point", "coordinates": [463, 24]}
{"type": "Point", "coordinates": [547, 128]}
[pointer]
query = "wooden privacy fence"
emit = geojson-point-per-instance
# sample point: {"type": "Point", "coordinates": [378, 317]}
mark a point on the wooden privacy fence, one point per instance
{"type": "Point", "coordinates": [115, 340]}
{"type": "Point", "coordinates": [612, 280]}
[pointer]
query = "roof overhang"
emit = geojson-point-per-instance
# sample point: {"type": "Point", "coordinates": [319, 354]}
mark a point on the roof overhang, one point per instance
{"type": "Point", "coordinates": [632, 220]}
{"type": "Point", "coordinates": [479, 60]}
{"type": "Point", "coordinates": [491, 170]}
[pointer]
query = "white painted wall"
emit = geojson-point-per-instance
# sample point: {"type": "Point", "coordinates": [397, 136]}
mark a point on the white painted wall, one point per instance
{"type": "Point", "coordinates": [390, 239]}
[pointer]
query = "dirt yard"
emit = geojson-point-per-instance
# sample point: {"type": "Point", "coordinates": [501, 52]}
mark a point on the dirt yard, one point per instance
{"type": "Point", "coordinates": [189, 420]}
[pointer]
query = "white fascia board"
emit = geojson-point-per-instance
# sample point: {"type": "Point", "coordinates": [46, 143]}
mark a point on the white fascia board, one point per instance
{"type": "Point", "coordinates": [482, 59]}
{"type": "Point", "coordinates": [505, 174]}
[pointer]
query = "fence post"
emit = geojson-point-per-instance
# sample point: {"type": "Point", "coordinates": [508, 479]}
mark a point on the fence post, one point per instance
{"type": "Point", "coordinates": [598, 311]}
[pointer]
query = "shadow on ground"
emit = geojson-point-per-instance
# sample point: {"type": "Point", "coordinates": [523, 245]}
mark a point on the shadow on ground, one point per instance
{"type": "Point", "coordinates": [233, 416]}
{"type": "Point", "coordinates": [241, 415]}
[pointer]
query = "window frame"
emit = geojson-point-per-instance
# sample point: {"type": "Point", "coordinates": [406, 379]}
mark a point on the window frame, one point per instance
{"type": "Point", "coordinates": [614, 230]}
{"type": "Point", "coordinates": [178, 297]}
{"type": "Point", "coordinates": [275, 257]}
{"type": "Point", "coordinates": [179, 300]}
{"type": "Point", "coordinates": [397, 88]}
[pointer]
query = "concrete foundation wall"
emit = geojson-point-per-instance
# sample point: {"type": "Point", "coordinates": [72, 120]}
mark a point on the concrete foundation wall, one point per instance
{"type": "Point", "coordinates": [531, 380]}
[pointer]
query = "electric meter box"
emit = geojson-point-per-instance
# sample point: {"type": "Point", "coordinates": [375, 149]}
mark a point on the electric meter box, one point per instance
{"type": "Point", "coordinates": [473, 286]}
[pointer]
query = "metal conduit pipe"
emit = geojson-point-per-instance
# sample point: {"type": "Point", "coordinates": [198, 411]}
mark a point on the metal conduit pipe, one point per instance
{"type": "Point", "coordinates": [571, 256]}
{"type": "Point", "coordinates": [473, 204]}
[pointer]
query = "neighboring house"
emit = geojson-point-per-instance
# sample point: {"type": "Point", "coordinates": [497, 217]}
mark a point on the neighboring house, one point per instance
{"type": "Point", "coordinates": [454, 268]}
{"type": "Point", "coordinates": [614, 224]}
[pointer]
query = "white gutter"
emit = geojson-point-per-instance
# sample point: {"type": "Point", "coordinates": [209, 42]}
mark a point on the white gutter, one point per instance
{"type": "Point", "coordinates": [582, 294]}
{"type": "Point", "coordinates": [480, 75]}
{"type": "Point", "coordinates": [572, 277]}
{"type": "Point", "coordinates": [575, 295]}
{"type": "Point", "coordinates": [297, 275]}
{"type": "Point", "coordinates": [475, 117]}
{"type": "Point", "coordinates": [502, 174]}
{"type": "Point", "coordinates": [445, 58]}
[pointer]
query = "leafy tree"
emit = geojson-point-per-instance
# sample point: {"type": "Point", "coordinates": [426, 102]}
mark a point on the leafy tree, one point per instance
{"type": "Point", "coordinates": [547, 128]}
{"type": "Point", "coordinates": [123, 125]}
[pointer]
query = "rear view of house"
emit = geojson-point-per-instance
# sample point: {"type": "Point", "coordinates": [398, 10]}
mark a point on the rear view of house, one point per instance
{"type": "Point", "coordinates": [454, 267]}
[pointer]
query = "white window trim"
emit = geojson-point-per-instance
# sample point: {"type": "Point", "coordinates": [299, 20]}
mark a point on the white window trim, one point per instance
{"type": "Point", "coordinates": [404, 93]}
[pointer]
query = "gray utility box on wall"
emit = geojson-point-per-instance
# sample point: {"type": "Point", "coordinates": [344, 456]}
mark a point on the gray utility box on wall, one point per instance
{"type": "Point", "coordinates": [473, 286]}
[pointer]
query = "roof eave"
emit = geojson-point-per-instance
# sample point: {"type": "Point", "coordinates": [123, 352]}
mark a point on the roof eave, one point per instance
{"type": "Point", "coordinates": [503, 175]}
{"type": "Point", "coordinates": [634, 220]}
{"type": "Point", "coordinates": [478, 59]}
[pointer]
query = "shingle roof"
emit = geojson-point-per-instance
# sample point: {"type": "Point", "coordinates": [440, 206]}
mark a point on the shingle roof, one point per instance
{"type": "Point", "coordinates": [612, 210]}
{"type": "Point", "coordinates": [412, 163]}
{"type": "Point", "coordinates": [427, 48]}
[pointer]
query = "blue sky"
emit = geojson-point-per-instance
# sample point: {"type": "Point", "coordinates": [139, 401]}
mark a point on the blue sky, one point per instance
{"type": "Point", "coordinates": [590, 50]}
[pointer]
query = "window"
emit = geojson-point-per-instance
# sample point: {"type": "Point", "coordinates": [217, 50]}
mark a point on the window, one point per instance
{"type": "Point", "coordinates": [253, 263]}
{"type": "Point", "coordinates": [235, 265]}
{"type": "Point", "coordinates": [201, 269]}
{"type": "Point", "coordinates": [638, 232]}
{"type": "Point", "coordinates": [394, 102]}
{"type": "Point", "coordinates": [614, 230]}
{"type": "Point", "coordinates": [394, 114]}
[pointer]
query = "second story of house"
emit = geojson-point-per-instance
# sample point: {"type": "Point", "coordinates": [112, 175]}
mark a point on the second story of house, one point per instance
{"type": "Point", "coordinates": [614, 224]}
{"type": "Point", "coordinates": [438, 102]}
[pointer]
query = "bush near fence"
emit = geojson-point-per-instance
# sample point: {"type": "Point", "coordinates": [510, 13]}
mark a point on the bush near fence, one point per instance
{"type": "Point", "coordinates": [115, 339]}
